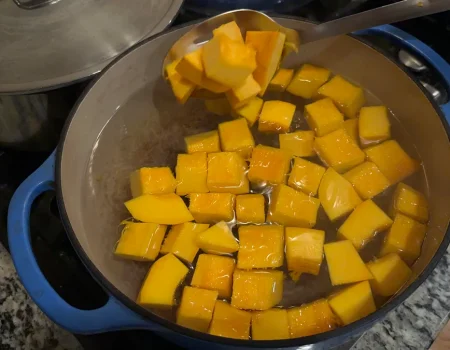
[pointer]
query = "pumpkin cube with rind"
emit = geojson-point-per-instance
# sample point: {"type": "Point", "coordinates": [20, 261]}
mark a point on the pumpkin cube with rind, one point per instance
{"type": "Point", "coordinates": [181, 240]}
{"type": "Point", "coordinates": [140, 241]}
{"type": "Point", "coordinates": [235, 136]}
{"type": "Point", "coordinates": [227, 173]}
{"type": "Point", "coordinates": [269, 47]}
{"type": "Point", "coordinates": [191, 68]}
{"type": "Point", "coordinates": [351, 126]}
{"type": "Point", "coordinates": [298, 143]}
{"type": "Point", "coordinates": [337, 195]}
{"type": "Point", "coordinates": [374, 125]}
{"type": "Point", "coordinates": [204, 142]}
{"type": "Point", "coordinates": [390, 273]}
{"type": "Point", "coordinates": [348, 97]}
{"type": "Point", "coordinates": [268, 165]}
{"type": "Point", "coordinates": [152, 181]}
{"type": "Point", "coordinates": [306, 176]}
{"type": "Point", "coordinates": [363, 223]}
{"type": "Point", "coordinates": [191, 172]}
{"type": "Point", "coordinates": [353, 303]}
{"type": "Point", "coordinates": [220, 106]}
{"type": "Point", "coordinates": [230, 322]}
{"type": "Point", "coordinates": [214, 272]}
{"type": "Point", "coordinates": [270, 325]}
{"type": "Point", "coordinates": [257, 290]}
{"type": "Point", "coordinates": [323, 117]}
{"type": "Point", "coordinates": [228, 62]}
{"type": "Point", "coordinates": [196, 308]}
{"type": "Point", "coordinates": [181, 87]}
{"type": "Point", "coordinates": [339, 151]}
{"type": "Point", "coordinates": [292, 208]}
{"type": "Point", "coordinates": [308, 80]}
{"type": "Point", "coordinates": [230, 29]}
{"type": "Point", "coordinates": [404, 238]}
{"type": "Point", "coordinates": [281, 80]}
{"type": "Point", "coordinates": [261, 246]}
{"type": "Point", "coordinates": [276, 116]}
{"type": "Point", "coordinates": [241, 94]}
{"type": "Point", "coordinates": [161, 282]}
{"type": "Point", "coordinates": [250, 111]}
{"type": "Point", "coordinates": [304, 249]}
{"type": "Point", "coordinates": [410, 202]}
{"type": "Point", "coordinates": [392, 161]}
{"type": "Point", "coordinates": [344, 263]}
{"type": "Point", "coordinates": [210, 208]}
{"type": "Point", "coordinates": [310, 319]}
{"type": "Point", "coordinates": [164, 209]}
{"type": "Point", "coordinates": [250, 208]}
{"type": "Point", "coordinates": [218, 239]}
{"type": "Point", "coordinates": [367, 180]}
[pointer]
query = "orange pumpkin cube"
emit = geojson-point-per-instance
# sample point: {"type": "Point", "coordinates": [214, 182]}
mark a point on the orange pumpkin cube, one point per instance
{"type": "Point", "coordinates": [235, 136]}
{"type": "Point", "coordinates": [270, 325]}
{"type": "Point", "coordinates": [227, 173]}
{"type": "Point", "coordinates": [268, 165]}
{"type": "Point", "coordinates": [210, 208]}
{"type": "Point", "coordinates": [250, 208]}
{"type": "Point", "coordinates": [230, 322]}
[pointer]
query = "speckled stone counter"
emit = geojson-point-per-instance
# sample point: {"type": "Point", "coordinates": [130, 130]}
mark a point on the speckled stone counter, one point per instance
{"type": "Point", "coordinates": [413, 325]}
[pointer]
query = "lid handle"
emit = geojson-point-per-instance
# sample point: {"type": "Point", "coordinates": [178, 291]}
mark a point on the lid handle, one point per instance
{"type": "Point", "coordinates": [34, 4]}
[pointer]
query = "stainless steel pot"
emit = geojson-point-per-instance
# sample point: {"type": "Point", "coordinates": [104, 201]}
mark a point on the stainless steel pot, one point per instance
{"type": "Point", "coordinates": [127, 118]}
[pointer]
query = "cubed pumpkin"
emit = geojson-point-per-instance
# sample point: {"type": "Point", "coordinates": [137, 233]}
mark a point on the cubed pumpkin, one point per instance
{"type": "Point", "coordinates": [164, 209]}
{"type": "Point", "coordinates": [351, 126]}
{"type": "Point", "coordinates": [409, 202]}
{"type": "Point", "coordinates": [276, 116]}
{"type": "Point", "coordinates": [298, 143]}
{"type": "Point", "coordinates": [269, 47]}
{"type": "Point", "coordinates": [306, 176]}
{"type": "Point", "coordinates": [196, 308]}
{"type": "Point", "coordinates": [191, 172]}
{"type": "Point", "coordinates": [292, 208]}
{"type": "Point", "coordinates": [367, 180]}
{"type": "Point", "coordinates": [374, 125]}
{"type": "Point", "coordinates": [241, 94]}
{"type": "Point", "coordinates": [256, 290]}
{"type": "Point", "coordinates": [339, 151]}
{"type": "Point", "coordinates": [227, 173]}
{"type": "Point", "coordinates": [181, 240]}
{"type": "Point", "coordinates": [348, 97]}
{"type": "Point", "coordinates": [210, 208]}
{"type": "Point", "coordinates": [310, 319]}
{"type": "Point", "coordinates": [161, 282]}
{"type": "Point", "coordinates": [140, 241]}
{"type": "Point", "coordinates": [304, 249]}
{"type": "Point", "coordinates": [353, 303]}
{"type": "Point", "coordinates": [204, 142]}
{"type": "Point", "coordinates": [337, 195]}
{"type": "Point", "coordinates": [363, 223]}
{"type": "Point", "coordinates": [281, 80]}
{"type": "Point", "coordinates": [390, 273]}
{"type": "Point", "coordinates": [230, 29]}
{"type": "Point", "coordinates": [152, 181]}
{"type": "Point", "coordinates": [250, 208]}
{"type": "Point", "coordinates": [217, 239]}
{"type": "Point", "coordinates": [308, 80]}
{"type": "Point", "coordinates": [235, 136]}
{"type": "Point", "coordinates": [270, 325]}
{"type": "Point", "coordinates": [250, 111]}
{"type": "Point", "coordinates": [392, 161]}
{"type": "Point", "coordinates": [214, 272]}
{"type": "Point", "coordinates": [404, 238]}
{"type": "Point", "coordinates": [230, 322]}
{"type": "Point", "coordinates": [344, 263]}
{"type": "Point", "coordinates": [260, 246]}
{"type": "Point", "coordinates": [323, 117]}
{"type": "Point", "coordinates": [181, 87]}
{"type": "Point", "coordinates": [268, 165]}
{"type": "Point", "coordinates": [220, 106]}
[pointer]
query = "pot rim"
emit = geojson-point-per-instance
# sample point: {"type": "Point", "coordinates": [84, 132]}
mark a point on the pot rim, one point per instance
{"type": "Point", "coordinates": [345, 332]}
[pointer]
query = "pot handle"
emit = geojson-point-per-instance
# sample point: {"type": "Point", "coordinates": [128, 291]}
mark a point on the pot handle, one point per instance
{"type": "Point", "coordinates": [112, 316]}
{"type": "Point", "coordinates": [418, 47]}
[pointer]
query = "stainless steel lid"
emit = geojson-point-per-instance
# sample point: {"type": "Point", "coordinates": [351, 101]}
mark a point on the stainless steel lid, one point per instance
{"type": "Point", "coordinates": [49, 43]}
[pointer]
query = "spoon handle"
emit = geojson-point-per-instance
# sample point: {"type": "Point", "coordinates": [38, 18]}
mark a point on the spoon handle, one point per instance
{"type": "Point", "coordinates": [399, 11]}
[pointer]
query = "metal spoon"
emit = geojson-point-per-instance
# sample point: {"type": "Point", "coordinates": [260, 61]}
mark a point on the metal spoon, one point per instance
{"type": "Point", "coordinates": [254, 20]}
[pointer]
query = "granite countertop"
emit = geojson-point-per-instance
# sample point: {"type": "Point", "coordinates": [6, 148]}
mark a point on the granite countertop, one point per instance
{"type": "Point", "coordinates": [413, 325]}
